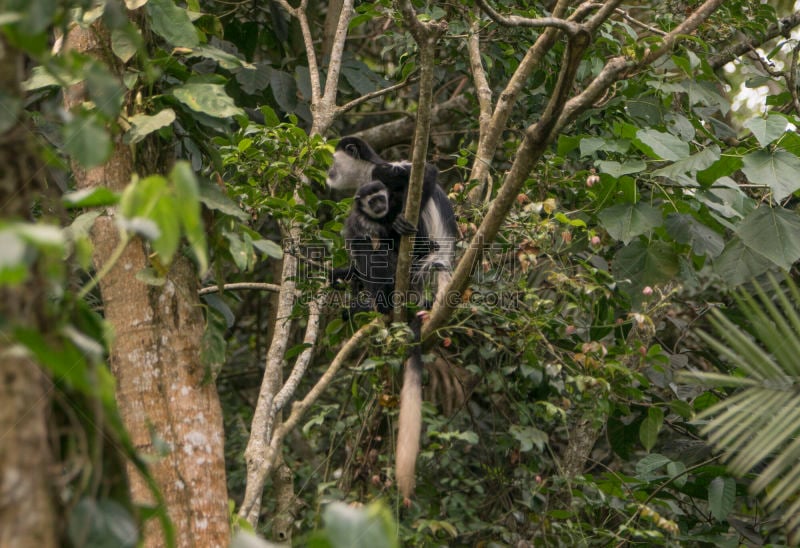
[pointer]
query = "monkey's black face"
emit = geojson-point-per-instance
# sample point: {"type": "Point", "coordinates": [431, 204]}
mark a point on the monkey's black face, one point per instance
{"type": "Point", "coordinates": [373, 199]}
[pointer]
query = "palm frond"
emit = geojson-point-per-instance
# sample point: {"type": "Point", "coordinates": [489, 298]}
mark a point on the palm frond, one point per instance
{"type": "Point", "coordinates": [760, 422]}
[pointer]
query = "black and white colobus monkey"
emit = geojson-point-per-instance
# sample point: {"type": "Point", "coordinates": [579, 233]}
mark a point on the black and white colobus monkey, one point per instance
{"type": "Point", "coordinates": [372, 234]}
{"type": "Point", "coordinates": [355, 165]}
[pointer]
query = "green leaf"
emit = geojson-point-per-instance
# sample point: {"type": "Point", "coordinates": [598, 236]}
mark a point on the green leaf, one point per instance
{"type": "Point", "coordinates": [102, 524]}
{"type": "Point", "coordinates": [87, 141]}
{"type": "Point", "coordinates": [646, 263]}
{"type": "Point", "coordinates": [766, 130]}
{"type": "Point", "coordinates": [650, 463]}
{"type": "Point", "coordinates": [210, 99]}
{"type": "Point", "coordinates": [650, 427]}
{"type": "Point", "coordinates": [90, 197]}
{"type": "Point", "coordinates": [739, 263]}
{"type": "Point", "coordinates": [105, 89]}
{"type": "Point", "coordinates": [126, 41]}
{"type": "Point", "coordinates": [10, 107]}
{"type": "Point", "coordinates": [172, 23]}
{"type": "Point", "coordinates": [226, 60]}
{"type": "Point", "coordinates": [626, 221]}
{"type": "Point", "coordinates": [663, 145]}
{"type": "Point", "coordinates": [773, 232]}
{"type": "Point", "coordinates": [13, 258]}
{"type": "Point", "coordinates": [268, 248]}
{"type": "Point", "coordinates": [776, 169]}
{"type": "Point", "coordinates": [528, 437]}
{"type": "Point", "coordinates": [616, 169]}
{"type": "Point", "coordinates": [688, 230]}
{"type": "Point", "coordinates": [694, 163]}
{"type": "Point", "coordinates": [349, 527]}
{"type": "Point", "coordinates": [166, 244]}
{"type": "Point", "coordinates": [214, 198]}
{"type": "Point", "coordinates": [284, 90]}
{"type": "Point", "coordinates": [143, 125]}
{"type": "Point", "coordinates": [254, 79]}
{"type": "Point", "coordinates": [721, 496]}
{"type": "Point", "coordinates": [187, 205]}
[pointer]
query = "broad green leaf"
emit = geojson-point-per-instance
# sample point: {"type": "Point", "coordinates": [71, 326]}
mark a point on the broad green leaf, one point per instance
{"type": "Point", "coordinates": [126, 41]}
{"type": "Point", "coordinates": [646, 263]}
{"type": "Point", "coordinates": [705, 93]}
{"type": "Point", "coordinates": [284, 90]}
{"type": "Point", "coordinates": [721, 496]}
{"type": "Point", "coordinates": [143, 125]}
{"type": "Point", "coordinates": [650, 463]}
{"type": "Point", "coordinates": [590, 145]}
{"type": "Point", "coordinates": [663, 145]}
{"type": "Point", "coordinates": [650, 427]}
{"type": "Point", "coordinates": [616, 169]}
{"type": "Point", "coordinates": [86, 141]}
{"type": "Point", "coordinates": [214, 198]}
{"type": "Point", "coordinates": [773, 232]}
{"type": "Point", "coordinates": [739, 263]}
{"type": "Point", "coordinates": [105, 89]}
{"type": "Point", "coordinates": [10, 107]}
{"type": "Point", "coordinates": [727, 199]}
{"type": "Point", "coordinates": [102, 524]}
{"type": "Point", "coordinates": [164, 215]}
{"type": "Point", "coordinates": [140, 197]}
{"type": "Point", "coordinates": [359, 527]}
{"type": "Point", "coordinates": [676, 470]}
{"type": "Point", "coordinates": [766, 130]}
{"type": "Point", "coordinates": [187, 205]}
{"type": "Point", "coordinates": [688, 230]}
{"type": "Point", "coordinates": [776, 169]}
{"type": "Point", "coordinates": [694, 163]}
{"type": "Point", "coordinates": [13, 258]}
{"type": "Point", "coordinates": [254, 79]}
{"type": "Point", "coordinates": [528, 437]}
{"type": "Point", "coordinates": [90, 197]}
{"type": "Point", "coordinates": [60, 357]}
{"type": "Point", "coordinates": [626, 221]}
{"type": "Point", "coordinates": [226, 60]}
{"type": "Point", "coordinates": [172, 23]}
{"type": "Point", "coordinates": [209, 99]}
{"type": "Point", "coordinates": [41, 235]}
{"type": "Point", "coordinates": [268, 248]}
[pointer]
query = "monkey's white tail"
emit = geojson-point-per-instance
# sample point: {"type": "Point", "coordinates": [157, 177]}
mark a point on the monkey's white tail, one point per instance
{"type": "Point", "coordinates": [409, 426]}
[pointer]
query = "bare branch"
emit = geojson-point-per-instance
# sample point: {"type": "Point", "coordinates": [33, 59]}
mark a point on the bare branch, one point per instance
{"type": "Point", "coordinates": [240, 285]}
{"type": "Point", "coordinates": [484, 91]}
{"type": "Point", "coordinates": [272, 451]}
{"type": "Point", "coordinates": [537, 138]}
{"type": "Point", "coordinates": [783, 27]}
{"type": "Point", "coordinates": [255, 453]}
{"type": "Point", "coordinates": [372, 95]}
{"type": "Point", "coordinates": [568, 27]}
{"type": "Point", "coordinates": [624, 14]}
{"type": "Point", "coordinates": [426, 36]}
{"type": "Point", "coordinates": [507, 99]}
{"type": "Point", "coordinates": [688, 26]}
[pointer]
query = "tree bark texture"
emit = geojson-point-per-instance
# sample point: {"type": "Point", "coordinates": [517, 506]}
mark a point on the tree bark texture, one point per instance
{"type": "Point", "coordinates": [174, 418]}
{"type": "Point", "coordinates": [27, 512]}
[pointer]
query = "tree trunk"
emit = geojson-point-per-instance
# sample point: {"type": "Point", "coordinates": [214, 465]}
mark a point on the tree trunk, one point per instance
{"type": "Point", "coordinates": [173, 416]}
{"type": "Point", "coordinates": [27, 515]}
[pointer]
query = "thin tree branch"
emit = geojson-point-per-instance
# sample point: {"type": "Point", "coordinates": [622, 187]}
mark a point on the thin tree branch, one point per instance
{"type": "Point", "coordinates": [426, 35]}
{"type": "Point", "coordinates": [372, 95]}
{"type": "Point", "coordinates": [506, 100]}
{"type": "Point", "coordinates": [537, 137]}
{"type": "Point", "coordinates": [484, 91]}
{"type": "Point", "coordinates": [240, 285]}
{"type": "Point", "coordinates": [568, 27]}
{"type": "Point", "coordinates": [783, 27]}
{"type": "Point", "coordinates": [272, 451]}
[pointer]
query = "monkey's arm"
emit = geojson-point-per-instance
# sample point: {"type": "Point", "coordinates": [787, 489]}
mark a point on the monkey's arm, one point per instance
{"type": "Point", "coordinates": [402, 226]}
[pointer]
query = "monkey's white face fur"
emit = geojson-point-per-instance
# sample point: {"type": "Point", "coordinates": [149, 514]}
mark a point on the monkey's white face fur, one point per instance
{"type": "Point", "coordinates": [348, 173]}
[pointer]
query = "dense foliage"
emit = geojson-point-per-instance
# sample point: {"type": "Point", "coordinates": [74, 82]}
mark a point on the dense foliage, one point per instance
{"type": "Point", "coordinates": [558, 406]}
